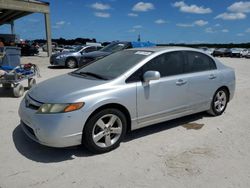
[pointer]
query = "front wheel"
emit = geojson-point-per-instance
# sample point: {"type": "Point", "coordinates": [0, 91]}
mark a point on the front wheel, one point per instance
{"type": "Point", "coordinates": [71, 63]}
{"type": "Point", "coordinates": [219, 102]}
{"type": "Point", "coordinates": [104, 131]}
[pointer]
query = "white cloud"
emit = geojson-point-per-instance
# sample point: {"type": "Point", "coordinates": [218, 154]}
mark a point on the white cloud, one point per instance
{"type": "Point", "coordinates": [59, 24]}
{"type": "Point", "coordinates": [248, 30]}
{"type": "Point", "coordinates": [132, 30]}
{"type": "Point", "coordinates": [102, 14]}
{"type": "Point", "coordinates": [240, 34]}
{"type": "Point", "coordinates": [225, 30]}
{"type": "Point", "coordinates": [143, 7]}
{"type": "Point", "coordinates": [137, 27]}
{"type": "Point", "coordinates": [200, 23]}
{"type": "Point", "coordinates": [217, 25]}
{"type": "Point", "coordinates": [231, 16]}
{"type": "Point", "coordinates": [209, 30]}
{"type": "Point", "coordinates": [160, 21]}
{"type": "Point", "coordinates": [194, 9]}
{"type": "Point", "coordinates": [132, 14]}
{"type": "Point", "coordinates": [243, 7]}
{"type": "Point", "coordinates": [184, 25]}
{"type": "Point", "coordinates": [100, 6]}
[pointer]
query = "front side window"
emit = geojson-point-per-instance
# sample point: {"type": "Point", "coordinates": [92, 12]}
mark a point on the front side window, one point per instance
{"type": "Point", "coordinates": [168, 64]}
{"type": "Point", "coordinates": [198, 62]}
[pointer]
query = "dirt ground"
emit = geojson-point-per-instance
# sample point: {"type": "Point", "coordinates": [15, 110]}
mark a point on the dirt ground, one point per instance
{"type": "Point", "coordinates": [194, 151]}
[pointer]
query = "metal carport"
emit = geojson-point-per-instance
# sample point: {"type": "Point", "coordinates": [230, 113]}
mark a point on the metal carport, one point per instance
{"type": "Point", "coordinates": [10, 10]}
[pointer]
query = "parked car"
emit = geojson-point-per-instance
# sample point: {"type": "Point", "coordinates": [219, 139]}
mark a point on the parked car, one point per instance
{"type": "Point", "coordinates": [97, 104]}
{"type": "Point", "coordinates": [112, 48]}
{"type": "Point", "coordinates": [221, 52]}
{"type": "Point", "coordinates": [28, 50]}
{"type": "Point", "coordinates": [53, 46]}
{"type": "Point", "coordinates": [207, 50]}
{"type": "Point", "coordinates": [71, 59]}
{"type": "Point", "coordinates": [248, 54]}
{"type": "Point", "coordinates": [238, 52]}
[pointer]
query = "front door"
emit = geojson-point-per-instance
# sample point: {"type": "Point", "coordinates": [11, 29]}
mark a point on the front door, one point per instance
{"type": "Point", "coordinates": [162, 99]}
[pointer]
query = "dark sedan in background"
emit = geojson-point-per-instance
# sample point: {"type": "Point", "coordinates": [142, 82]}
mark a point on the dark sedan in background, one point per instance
{"type": "Point", "coordinates": [222, 52]}
{"type": "Point", "coordinates": [112, 48]}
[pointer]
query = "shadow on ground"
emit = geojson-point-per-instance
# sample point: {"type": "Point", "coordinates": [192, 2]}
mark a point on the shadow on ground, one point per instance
{"type": "Point", "coordinates": [43, 154]}
{"type": "Point", "coordinates": [8, 93]}
{"type": "Point", "coordinates": [40, 153]}
{"type": "Point", "coordinates": [57, 67]}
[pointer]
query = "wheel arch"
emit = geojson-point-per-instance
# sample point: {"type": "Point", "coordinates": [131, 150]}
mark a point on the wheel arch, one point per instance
{"type": "Point", "coordinates": [117, 106]}
{"type": "Point", "coordinates": [227, 89]}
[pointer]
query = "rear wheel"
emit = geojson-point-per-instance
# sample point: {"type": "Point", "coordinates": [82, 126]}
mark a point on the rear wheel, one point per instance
{"type": "Point", "coordinates": [219, 103]}
{"type": "Point", "coordinates": [31, 82]}
{"type": "Point", "coordinates": [104, 130]}
{"type": "Point", "coordinates": [71, 63]}
{"type": "Point", "coordinates": [18, 90]}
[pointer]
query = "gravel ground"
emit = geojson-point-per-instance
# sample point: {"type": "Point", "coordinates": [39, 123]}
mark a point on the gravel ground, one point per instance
{"type": "Point", "coordinates": [194, 151]}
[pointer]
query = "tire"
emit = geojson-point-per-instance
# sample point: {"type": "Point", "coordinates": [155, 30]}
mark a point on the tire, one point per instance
{"type": "Point", "coordinates": [6, 86]}
{"type": "Point", "coordinates": [31, 82]}
{"type": "Point", "coordinates": [71, 63]}
{"type": "Point", "coordinates": [18, 90]}
{"type": "Point", "coordinates": [219, 102]}
{"type": "Point", "coordinates": [104, 131]}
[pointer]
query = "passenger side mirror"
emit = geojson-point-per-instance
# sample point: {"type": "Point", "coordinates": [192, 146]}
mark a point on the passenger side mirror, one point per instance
{"type": "Point", "coordinates": [151, 75]}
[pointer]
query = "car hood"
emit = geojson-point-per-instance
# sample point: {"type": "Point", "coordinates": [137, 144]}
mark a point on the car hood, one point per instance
{"type": "Point", "coordinates": [65, 89]}
{"type": "Point", "coordinates": [96, 54]}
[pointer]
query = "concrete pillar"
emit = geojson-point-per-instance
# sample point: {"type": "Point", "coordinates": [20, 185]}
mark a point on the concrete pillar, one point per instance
{"type": "Point", "coordinates": [48, 33]}
{"type": "Point", "coordinates": [12, 26]}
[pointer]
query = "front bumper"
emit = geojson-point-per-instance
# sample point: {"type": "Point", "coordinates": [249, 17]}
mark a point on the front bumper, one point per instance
{"type": "Point", "coordinates": [55, 130]}
{"type": "Point", "coordinates": [58, 62]}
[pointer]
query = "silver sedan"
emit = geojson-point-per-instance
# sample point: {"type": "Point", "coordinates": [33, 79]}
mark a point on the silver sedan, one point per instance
{"type": "Point", "coordinates": [97, 104]}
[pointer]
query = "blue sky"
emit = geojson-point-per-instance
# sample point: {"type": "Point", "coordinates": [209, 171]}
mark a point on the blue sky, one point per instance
{"type": "Point", "coordinates": [160, 21]}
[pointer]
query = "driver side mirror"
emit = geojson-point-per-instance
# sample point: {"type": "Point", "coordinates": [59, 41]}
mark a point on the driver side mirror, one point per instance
{"type": "Point", "coordinates": [151, 75]}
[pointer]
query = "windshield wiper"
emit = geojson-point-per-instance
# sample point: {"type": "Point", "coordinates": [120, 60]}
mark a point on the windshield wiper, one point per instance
{"type": "Point", "coordinates": [93, 75]}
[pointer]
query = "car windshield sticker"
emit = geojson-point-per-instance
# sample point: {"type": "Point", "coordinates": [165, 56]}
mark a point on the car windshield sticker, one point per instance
{"type": "Point", "coordinates": [143, 53]}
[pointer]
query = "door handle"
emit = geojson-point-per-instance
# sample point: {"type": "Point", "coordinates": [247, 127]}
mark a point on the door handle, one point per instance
{"type": "Point", "coordinates": [181, 82]}
{"type": "Point", "coordinates": [212, 76]}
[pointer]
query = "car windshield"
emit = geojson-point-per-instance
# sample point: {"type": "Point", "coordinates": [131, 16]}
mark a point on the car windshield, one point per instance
{"type": "Point", "coordinates": [114, 47]}
{"type": "Point", "coordinates": [114, 65]}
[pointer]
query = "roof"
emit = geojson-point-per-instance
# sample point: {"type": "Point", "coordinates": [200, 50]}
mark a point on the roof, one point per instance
{"type": "Point", "coordinates": [163, 48]}
{"type": "Point", "coordinates": [11, 10]}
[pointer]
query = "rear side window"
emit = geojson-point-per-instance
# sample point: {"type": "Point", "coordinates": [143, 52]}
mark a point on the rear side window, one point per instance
{"type": "Point", "coordinates": [198, 62]}
{"type": "Point", "coordinates": [168, 64]}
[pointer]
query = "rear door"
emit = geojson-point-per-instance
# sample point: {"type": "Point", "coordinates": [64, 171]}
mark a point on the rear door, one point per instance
{"type": "Point", "coordinates": [203, 79]}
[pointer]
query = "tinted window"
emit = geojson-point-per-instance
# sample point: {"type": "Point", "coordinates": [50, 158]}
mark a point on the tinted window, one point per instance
{"type": "Point", "coordinates": [199, 62]}
{"type": "Point", "coordinates": [90, 49]}
{"type": "Point", "coordinates": [168, 64]}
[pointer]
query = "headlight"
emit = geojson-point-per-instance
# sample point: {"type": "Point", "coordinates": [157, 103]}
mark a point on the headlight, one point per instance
{"type": "Point", "coordinates": [59, 108]}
